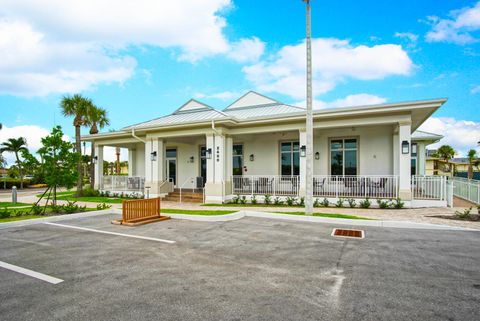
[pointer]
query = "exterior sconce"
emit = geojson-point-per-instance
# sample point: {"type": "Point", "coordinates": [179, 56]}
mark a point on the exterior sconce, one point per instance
{"type": "Point", "coordinates": [208, 153]}
{"type": "Point", "coordinates": [303, 151]}
{"type": "Point", "coordinates": [317, 155]}
{"type": "Point", "coordinates": [95, 159]}
{"type": "Point", "coordinates": [252, 157]}
{"type": "Point", "coordinates": [192, 159]}
{"type": "Point", "coordinates": [405, 147]}
{"type": "Point", "coordinates": [153, 156]}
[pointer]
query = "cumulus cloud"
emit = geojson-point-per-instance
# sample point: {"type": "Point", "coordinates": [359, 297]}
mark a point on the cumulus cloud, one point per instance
{"type": "Point", "coordinates": [475, 90]}
{"type": "Point", "coordinates": [70, 46]}
{"type": "Point", "coordinates": [348, 101]}
{"type": "Point", "coordinates": [462, 135]}
{"type": "Point", "coordinates": [334, 61]}
{"type": "Point", "coordinates": [457, 28]}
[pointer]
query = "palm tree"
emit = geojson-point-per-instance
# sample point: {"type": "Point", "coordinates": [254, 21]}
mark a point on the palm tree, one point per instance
{"type": "Point", "coordinates": [446, 152]}
{"type": "Point", "coordinates": [473, 160]}
{"type": "Point", "coordinates": [16, 146]}
{"type": "Point", "coordinates": [97, 119]}
{"type": "Point", "coordinates": [77, 106]}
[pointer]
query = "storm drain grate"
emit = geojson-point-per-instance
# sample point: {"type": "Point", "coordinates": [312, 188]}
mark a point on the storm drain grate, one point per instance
{"type": "Point", "coordinates": [348, 233]}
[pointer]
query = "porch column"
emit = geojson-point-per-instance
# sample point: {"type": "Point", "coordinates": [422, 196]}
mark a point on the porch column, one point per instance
{"type": "Point", "coordinates": [404, 133]}
{"type": "Point", "coordinates": [228, 165]}
{"type": "Point", "coordinates": [98, 167]}
{"type": "Point", "coordinates": [215, 185]}
{"type": "Point", "coordinates": [132, 164]}
{"type": "Point", "coordinates": [303, 165]}
{"type": "Point", "coordinates": [154, 168]}
{"type": "Point", "coordinates": [396, 152]}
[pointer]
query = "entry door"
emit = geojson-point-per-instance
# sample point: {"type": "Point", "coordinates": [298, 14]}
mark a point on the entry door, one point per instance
{"type": "Point", "coordinates": [171, 165]}
{"type": "Point", "coordinates": [203, 164]}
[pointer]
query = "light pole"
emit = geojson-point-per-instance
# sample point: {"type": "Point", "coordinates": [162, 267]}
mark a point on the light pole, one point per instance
{"type": "Point", "coordinates": [309, 122]}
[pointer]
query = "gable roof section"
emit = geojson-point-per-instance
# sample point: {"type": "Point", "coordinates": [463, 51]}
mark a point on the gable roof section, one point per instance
{"type": "Point", "coordinates": [192, 105]}
{"type": "Point", "coordinates": [252, 99]}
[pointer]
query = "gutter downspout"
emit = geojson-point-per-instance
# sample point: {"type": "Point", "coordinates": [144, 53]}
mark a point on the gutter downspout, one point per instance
{"type": "Point", "coordinates": [135, 136]}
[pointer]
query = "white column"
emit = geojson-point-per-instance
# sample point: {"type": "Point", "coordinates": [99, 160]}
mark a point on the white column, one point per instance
{"type": "Point", "coordinates": [219, 157]}
{"type": "Point", "coordinates": [148, 163]}
{"type": "Point", "coordinates": [395, 151]}
{"type": "Point", "coordinates": [421, 158]}
{"type": "Point", "coordinates": [303, 164]}
{"type": "Point", "coordinates": [161, 160]}
{"type": "Point", "coordinates": [216, 169]}
{"type": "Point", "coordinates": [404, 133]}
{"type": "Point", "coordinates": [210, 161]}
{"type": "Point", "coordinates": [132, 162]}
{"type": "Point", "coordinates": [98, 166]}
{"type": "Point", "coordinates": [228, 159]}
{"type": "Point", "coordinates": [154, 169]}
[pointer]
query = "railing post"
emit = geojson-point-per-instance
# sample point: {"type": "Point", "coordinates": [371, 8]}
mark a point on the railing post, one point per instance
{"type": "Point", "coordinates": [273, 185]}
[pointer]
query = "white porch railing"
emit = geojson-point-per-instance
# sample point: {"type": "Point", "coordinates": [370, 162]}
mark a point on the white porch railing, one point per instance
{"type": "Point", "coordinates": [429, 188]}
{"type": "Point", "coordinates": [276, 185]}
{"type": "Point", "coordinates": [468, 189]}
{"type": "Point", "coordinates": [358, 186]}
{"type": "Point", "coordinates": [123, 183]}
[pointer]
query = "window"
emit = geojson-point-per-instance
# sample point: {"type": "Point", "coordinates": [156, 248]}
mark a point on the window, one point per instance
{"type": "Point", "coordinates": [237, 159]}
{"type": "Point", "coordinates": [343, 156]}
{"type": "Point", "coordinates": [413, 160]}
{"type": "Point", "coordinates": [171, 153]}
{"type": "Point", "coordinates": [290, 158]}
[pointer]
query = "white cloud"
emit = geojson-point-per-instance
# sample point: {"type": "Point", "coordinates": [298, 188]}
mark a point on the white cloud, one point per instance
{"type": "Point", "coordinates": [457, 29]}
{"type": "Point", "coordinates": [334, 61]}
{"type": "Point", "coordinates": [475, 89]}
{"type": "Point", "coordinates": [224, 95]}
{"type": "Point", "coordinates": [407, 35]}
{"type": "Point", "coordinates": [247, 50]}
{"type": "Point", "coordinates": [462, 135]}
{"type": "Point", "coordinates": [71, 45]}
{"type": "Point", "coordinates": [348, 101]}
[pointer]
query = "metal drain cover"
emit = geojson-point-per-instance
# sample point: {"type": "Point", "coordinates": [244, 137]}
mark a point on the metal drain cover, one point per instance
{"type": "Point", "coordinates": [348, 233]}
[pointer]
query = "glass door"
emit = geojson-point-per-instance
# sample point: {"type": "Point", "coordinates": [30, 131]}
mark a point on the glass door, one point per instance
{"type": "Point", "coordinates": [171, 159]}
{"type": "Point", "coordinates": [203, 164]}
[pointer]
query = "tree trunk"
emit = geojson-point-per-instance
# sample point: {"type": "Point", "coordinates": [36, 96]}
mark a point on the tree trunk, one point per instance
{"type": "Point", "coordinates": [92, 165]}
{"type": "Point", "coordinates": [20, 170]}
{"type": "Point", "coordinates": [78, 147]}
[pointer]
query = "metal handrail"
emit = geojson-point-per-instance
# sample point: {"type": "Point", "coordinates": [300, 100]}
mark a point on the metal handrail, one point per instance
{"type": "Point", "coordinates": [191, 180]}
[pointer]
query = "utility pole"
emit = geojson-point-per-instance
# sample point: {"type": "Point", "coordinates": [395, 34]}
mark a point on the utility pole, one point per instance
{"type": "Point", "coordinates": [309, 122]}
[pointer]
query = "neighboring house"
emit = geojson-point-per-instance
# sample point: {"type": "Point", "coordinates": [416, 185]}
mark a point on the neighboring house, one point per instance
{"type": "Point", "coordinates": [256, 146]}
{"type": "Point", "coordinates": [459, 166]}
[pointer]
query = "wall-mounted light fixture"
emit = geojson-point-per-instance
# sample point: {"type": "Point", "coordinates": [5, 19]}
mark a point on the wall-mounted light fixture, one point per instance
{"type": "Point", "coordinates": [303, 151]}
{"type": "Point", "coordinates": [252, 157]}
{"type": "Point", "coordinates": [153, 156]}
{"type": "Point", "coordinates": [317, 155]}
{"type": "Point", "coordinates": [95, 159]}
{"type": "Point", "coordinates": [208, 153]}
{"type": "Point", "coordinates": [192, 159]}
{"type": "Point", "coordinates": [405, 147]}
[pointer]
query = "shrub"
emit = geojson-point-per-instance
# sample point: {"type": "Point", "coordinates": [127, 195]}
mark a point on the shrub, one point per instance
{"type": "Point", "coordinates": [236, 199]}
{"type": "Point", "coordinates": [290, 201]}
{"type": "Point", "coordinates": [4, 213]}
{"type": "Point", "coordinates": [70, 207]}
{"type": "Point", "coordinates": [339, 202]}
{"type": "Point", "coordinates": [325, 202]}
{"type": "Point", "coordinates": [88, 191]}
{"type": "Point", "coordinates": [56, 208]}
{"type": "Point", "coordinates": [465, 215]}
{"type": "Point", "coordinates": [243, 200]}
{"type": "Point", "coordinates": [397, 204]}
{"type": "Point", "coordinates": [352, 203]}
{"type": "Point", "coordinates": [316, 203]}
{"type": "Point", "coordinates": [103, 206]}
{"type": "Point", "coordinates": [37, 209]}
{"type": "Point", "coordinates": [253, 200]}
{"type": "Point", "coordinates": [365, 203]}
{"type": "Point", "coordinates": [383, 204]}
{"type": "Point", "coordinates": [267, 199]}
{"type": "Point", "coordinates": [301, 201]}
{"type": "Point", "coordinates": [277, 201]}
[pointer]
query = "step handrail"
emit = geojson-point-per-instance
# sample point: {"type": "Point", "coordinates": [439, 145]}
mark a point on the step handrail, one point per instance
{"type": "Point", "coordinates": [191, 180]}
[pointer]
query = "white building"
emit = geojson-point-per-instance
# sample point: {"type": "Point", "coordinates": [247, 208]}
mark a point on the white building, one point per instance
{"type": "Point", "coordinates": [254, 147]}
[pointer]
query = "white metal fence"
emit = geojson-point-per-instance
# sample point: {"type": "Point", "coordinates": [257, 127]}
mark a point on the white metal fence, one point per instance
{"type": "Point", "coordinates": [275, 185]}
{"type": "Point", "coordinates": [358, 186]}
{"type": "Point", "coordinates": [467, 189]}
{"type": "Point", "coordinates": [429, 188]}
{"type": "Point", "coordinates": [123, 183]}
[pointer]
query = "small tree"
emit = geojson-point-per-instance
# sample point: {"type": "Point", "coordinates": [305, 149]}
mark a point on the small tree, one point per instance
{"type": "Point", "coordinates": [473, 161]}
{"type": "Point", "coordinates": [15, 146]}
{"type": "Point", "coordinates": [446, 153]}
{"type": "Point", "coordinates": [59, 161]}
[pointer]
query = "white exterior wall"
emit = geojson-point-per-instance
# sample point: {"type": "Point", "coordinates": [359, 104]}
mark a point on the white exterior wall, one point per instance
{"type": "Point", "coordinates": [140, 160]}
{"type": "Point", "coordinates": [186, 169]}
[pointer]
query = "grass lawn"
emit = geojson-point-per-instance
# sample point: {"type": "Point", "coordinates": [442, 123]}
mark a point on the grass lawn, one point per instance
{"type": "Point", "coordinates": [70, 196]}
{"type": "Point", "coordinates": [253, 205]}
{"type": "Point", "coordinates": [10, 204]}
{"type": "Point", "coordinates": [195, 212]}
{"type": "Point", "coordinates": [19, 218]}
{"type": "Point", "coordinates": [330, 215]}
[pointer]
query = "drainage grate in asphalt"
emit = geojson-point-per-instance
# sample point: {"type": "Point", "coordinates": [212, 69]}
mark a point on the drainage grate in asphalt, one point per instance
{"type": "Point", "coordinates": [348, 233]}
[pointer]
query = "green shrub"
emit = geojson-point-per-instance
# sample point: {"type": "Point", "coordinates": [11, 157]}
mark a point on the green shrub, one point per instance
{"type": "Point", "coordinates": [277, 201]}
{"type": "Point", "coordinates": [339, 202]}
{"type": "Point", "coordinates": [243, 200]}
{"type": "Point", "coordinates": [253, 200]}
{"type": "Point", "coordinates": [383, 204]}
{"type": "Point", "coordinates": [465, 215]}
{"type": "Point", "coordinates": [236, 199]}
{"type": "Point", "coordinates": [267, 199]}
{"type": "Point", "coordinates": [397, 204]}
{"type": "Point", "coordinates": [103, 206]}
{"type": "Point", "coordinates": [88, 191]}
{"type": "Point", "coordinates": [352, 203]}
{"type": "Point", "coordinates": [290, 201]}
{"type": "Point", "coordinates": [56, 208]}
{"type": "Point", "coordinates": [70, 207]}
{"type": "Point", "coordinates": [37, 209]}
{"type": "Point", "coordinates": [316, 202]}
{"type": "Point", "coordinates": [4, 213]}
{"type": "Point", "coordinates": [365, 203]}
{"type": "Point", "coordinates": [325, 202]}
{"type": "Point", "coordinates": [301, 201]}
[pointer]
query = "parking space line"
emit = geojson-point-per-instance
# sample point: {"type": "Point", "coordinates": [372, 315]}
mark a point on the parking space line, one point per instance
{"type": "Point", "coordinates": [33, 274]}
{"type": "Point", "coordinates": [111, 233]}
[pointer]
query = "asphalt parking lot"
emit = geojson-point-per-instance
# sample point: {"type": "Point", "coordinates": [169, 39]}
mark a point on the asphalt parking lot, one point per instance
{"type": "Point", "coordinates": [249, 269]}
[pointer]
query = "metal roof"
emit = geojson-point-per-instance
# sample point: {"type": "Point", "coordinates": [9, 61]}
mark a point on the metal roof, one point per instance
{"type": "Point", "coordinates": [262, 111]}
{"type": "Point", "coordinates": [419, 134]}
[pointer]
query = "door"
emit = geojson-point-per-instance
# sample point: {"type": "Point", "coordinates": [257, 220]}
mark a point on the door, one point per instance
{"type": "Point", "coordinates": [171, 166]}
{"type": "Point", "coordinates": [203, 164]}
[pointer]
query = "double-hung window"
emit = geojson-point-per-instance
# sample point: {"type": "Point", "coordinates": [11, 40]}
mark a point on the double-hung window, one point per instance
{"type": "Point", "coordinates": [290, 158]}
{"type": "Point", "coordinates": [237, 159]}
{"type": "Point", "coordinates": [344, 156]}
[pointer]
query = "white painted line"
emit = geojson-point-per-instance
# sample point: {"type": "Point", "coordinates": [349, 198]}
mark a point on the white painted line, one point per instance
{"type": "Point", "coordinates": [111, 233]}
{"type": "Point", "coordinates": [33, 274]}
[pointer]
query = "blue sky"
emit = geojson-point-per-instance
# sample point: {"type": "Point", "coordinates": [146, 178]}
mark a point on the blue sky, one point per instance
{"type": "Point", "coordinates": [145, 60]}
